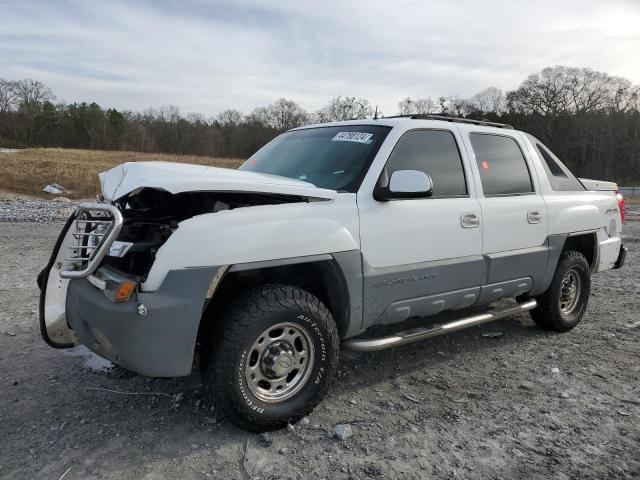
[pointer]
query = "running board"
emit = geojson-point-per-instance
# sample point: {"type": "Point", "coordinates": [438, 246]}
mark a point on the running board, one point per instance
{"type": "Point", "coordinates": [417, 334]}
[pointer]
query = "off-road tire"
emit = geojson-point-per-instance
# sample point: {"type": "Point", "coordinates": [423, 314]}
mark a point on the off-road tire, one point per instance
{"type": "Point", "coordinates": [243, 320]}
{"type": "Point", "coordinates": [548, 314]}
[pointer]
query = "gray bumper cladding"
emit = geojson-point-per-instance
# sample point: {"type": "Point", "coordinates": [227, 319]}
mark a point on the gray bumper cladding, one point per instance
{"type": "Point", "coordinates": [160, 343]}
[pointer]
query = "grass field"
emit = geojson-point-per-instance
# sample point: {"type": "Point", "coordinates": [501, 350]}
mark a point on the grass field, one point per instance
{"type": "Point", "coordinates": [29, 170]}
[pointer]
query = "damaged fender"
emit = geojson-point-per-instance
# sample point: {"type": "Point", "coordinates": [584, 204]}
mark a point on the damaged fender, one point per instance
{"type": "Point", "coordinates": [245, 235]}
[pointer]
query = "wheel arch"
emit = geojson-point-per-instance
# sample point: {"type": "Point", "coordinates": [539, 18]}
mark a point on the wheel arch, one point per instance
{"type": "Point", "coordinates": [321, 275]}
{"type": "Point", "coordinates": [584, 242]}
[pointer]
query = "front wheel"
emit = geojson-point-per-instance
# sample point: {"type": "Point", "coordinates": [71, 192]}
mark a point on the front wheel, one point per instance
{"type": "Point", "coordinates": [562, 306]}
{"type": "Point", "coordinates": [271, 357]}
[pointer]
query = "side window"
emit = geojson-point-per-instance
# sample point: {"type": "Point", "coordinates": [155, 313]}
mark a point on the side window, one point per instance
{"type": "Point", "coordinates": [503, 169]}
{"type": "Point", "coordinates": [552, 166]}
{"type": "Point", "coordinates": [434, 152]}
{"type": "Point", "coordinates": [560, 177]}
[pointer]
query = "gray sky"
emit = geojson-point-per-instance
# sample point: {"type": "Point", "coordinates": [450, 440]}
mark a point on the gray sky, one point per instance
{"type": "Point", "coordinates": [205, 56]}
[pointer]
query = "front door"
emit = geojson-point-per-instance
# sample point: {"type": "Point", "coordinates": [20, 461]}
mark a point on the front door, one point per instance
{"type": "Point", "coordinates": [423, 255]}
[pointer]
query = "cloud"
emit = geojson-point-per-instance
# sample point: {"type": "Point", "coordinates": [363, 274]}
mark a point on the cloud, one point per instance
{"type": "Point", "coordinates": [205, 56]}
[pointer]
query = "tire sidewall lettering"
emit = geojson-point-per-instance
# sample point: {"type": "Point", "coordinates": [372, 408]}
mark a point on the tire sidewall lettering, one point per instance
{"type": "Point", "coordinates": [245, 395]}
{"type": "Point", "coordinates": [316, 329]}
{"type": "Point", "coordinates": [321, 358]}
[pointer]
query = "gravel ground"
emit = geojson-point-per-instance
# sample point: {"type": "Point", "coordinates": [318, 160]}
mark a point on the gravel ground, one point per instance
{"type": "Point", "coordinates": [458, 406]}
{"type": "Point", "coordinates": [40, 211]}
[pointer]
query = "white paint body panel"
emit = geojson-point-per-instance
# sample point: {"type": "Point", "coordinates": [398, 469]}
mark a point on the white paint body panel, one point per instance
{"type": "Point", "coordinates": [181, 177]}
{"type": "Point", "coordinates": [599, 185]}
{"type": "Point", "coordinates": [608, 250]}
{"type": "Point", "coordinates": [412, 231]}
{"type": "Point", "coordinates": [506, 226]}
{"type": "Point", "coordinates": [253, 234]}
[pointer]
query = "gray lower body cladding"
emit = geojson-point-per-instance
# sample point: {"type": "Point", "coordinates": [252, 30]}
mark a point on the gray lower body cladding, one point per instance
{"type": "Point", "coordinates": [395, 294]}
{"type": "Point", "coordinates": [158, 344]}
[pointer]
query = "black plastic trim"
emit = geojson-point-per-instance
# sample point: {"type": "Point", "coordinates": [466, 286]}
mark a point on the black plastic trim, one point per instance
{"type": "Point", "coordinates": [428, 116]}
{"type": "Point", "coordinates": [622, 257]}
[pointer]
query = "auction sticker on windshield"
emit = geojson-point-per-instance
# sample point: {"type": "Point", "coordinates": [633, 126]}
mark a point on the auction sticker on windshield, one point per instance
{"type": "Point", "coordinates": [359, 137]}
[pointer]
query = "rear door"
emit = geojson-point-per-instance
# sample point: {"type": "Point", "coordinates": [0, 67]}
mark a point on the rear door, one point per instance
{"type": "Point", "coordinates": [514, 213]}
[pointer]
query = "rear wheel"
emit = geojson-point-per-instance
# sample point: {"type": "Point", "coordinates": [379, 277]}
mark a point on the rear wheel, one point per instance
{"type": "Point", "coordinates": [562, 306]}
{"type": "Point", "coordinates": [271, 357]}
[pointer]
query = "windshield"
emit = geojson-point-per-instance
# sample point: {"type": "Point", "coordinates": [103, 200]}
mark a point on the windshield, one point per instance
{"type": "Point", "coordinates": [328, 157]}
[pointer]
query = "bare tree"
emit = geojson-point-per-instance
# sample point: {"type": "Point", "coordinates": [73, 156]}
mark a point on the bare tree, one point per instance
{"type": "Point", "coordinates": [557, 90]}
{"type": "Point", "coordinates": [408, 106]}
{"type": "Point", "coordinates": [7, 96]}
{"type": "Point", "coordinates": [623, 96]}
{"type": "Point", "coordinates": [454, 106]}
{"type": "Point", "coordinates": [169, 114]}
{"type": "Point", "coordinates": [344, 108]}
{"type": "Point", "coordinates": [281, 115]}
{"type": "Point", "coordinates": [490, 99]}
{"type": "Point", "coordinates": [29, 93]}
{"type": "Point", "coordinates": [230, 117]}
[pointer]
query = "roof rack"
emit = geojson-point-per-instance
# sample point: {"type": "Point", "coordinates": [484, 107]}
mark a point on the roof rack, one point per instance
{"type": "Point", "coordinates": [428, 116]}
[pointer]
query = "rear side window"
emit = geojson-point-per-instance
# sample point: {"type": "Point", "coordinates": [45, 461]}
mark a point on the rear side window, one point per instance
{"type": "Point", "coordinates": [503, 169]}
{"type": "Point", "coordinates": [560, 177]}
{"type": "Point", "coordinates": [434, 152]}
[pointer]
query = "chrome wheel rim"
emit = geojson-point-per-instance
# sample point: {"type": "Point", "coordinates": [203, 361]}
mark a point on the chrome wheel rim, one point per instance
{"type": "Point", "coordinates": [569, 292]}
{"type": "Point", "coordinates": [279, 362]}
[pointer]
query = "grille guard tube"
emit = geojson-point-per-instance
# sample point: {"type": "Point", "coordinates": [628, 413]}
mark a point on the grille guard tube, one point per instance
{"type": "Point", "coordinates": [108, 238]}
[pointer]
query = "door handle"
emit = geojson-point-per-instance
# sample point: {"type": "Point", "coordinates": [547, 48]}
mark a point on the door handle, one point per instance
{"type": "Point", "coordinates": [470, 220]}
{"type": "Point", "coordinates": [534, 216]}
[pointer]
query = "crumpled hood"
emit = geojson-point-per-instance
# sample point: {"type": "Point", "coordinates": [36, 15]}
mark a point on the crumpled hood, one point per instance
{"type": "Point", "coordinates": [182, 177]}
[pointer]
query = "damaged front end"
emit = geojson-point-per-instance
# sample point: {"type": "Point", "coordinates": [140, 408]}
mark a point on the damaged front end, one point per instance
{"type": "Point", "coordinates": [95, 289]}
{"type": "Point", "coordinates": [152, 215]}
{"type": "Point", "coordinates": [113, 246]}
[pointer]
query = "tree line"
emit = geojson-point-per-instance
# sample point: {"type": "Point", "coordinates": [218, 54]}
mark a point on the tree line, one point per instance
{"type": "Point", "coordinates": [590, 119]}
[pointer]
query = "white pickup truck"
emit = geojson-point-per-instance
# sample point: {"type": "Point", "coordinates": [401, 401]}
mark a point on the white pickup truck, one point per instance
{"type": "Point", "coordinates": [325, 232]}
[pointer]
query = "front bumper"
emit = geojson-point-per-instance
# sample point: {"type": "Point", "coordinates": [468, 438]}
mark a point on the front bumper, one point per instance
{"type": "Point", "coordinates": [160, 343]}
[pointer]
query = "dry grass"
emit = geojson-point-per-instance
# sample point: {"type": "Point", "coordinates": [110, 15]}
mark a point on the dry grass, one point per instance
{"type": "Point", "coordinates": [29, 170]}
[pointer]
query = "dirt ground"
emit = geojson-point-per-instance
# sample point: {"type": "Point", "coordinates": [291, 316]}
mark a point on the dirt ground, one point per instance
{"type": "Point", "coordinates": [459, 406]}
{"type": "Point", "coordinates": [28, 171]}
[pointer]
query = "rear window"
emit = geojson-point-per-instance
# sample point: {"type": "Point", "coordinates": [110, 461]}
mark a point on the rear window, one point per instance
{"type": "Point", "coordinates": [503, 168]}
{"type": "Point", "coordinates": [560, 177]}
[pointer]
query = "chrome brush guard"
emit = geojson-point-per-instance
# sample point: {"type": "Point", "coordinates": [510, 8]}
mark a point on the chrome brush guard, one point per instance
{"type": "Point", "coordinates": [94, 229]}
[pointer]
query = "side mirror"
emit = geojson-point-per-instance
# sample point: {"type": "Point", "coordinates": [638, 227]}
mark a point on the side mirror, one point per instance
{"type": "Point", "coordinates": [406, 184]}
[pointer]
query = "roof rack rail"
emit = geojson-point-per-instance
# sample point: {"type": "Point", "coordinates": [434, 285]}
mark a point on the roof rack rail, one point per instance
{"type": "Point", "coordinates": [428, 116]}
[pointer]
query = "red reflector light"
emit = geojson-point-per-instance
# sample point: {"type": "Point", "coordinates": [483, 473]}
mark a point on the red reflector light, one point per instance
{"type": "Point", "coordinates": [620, 200]}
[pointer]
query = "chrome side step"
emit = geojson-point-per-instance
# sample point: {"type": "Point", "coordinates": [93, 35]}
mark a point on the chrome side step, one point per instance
{"type": "Point", "coordinates": [417, 334]}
